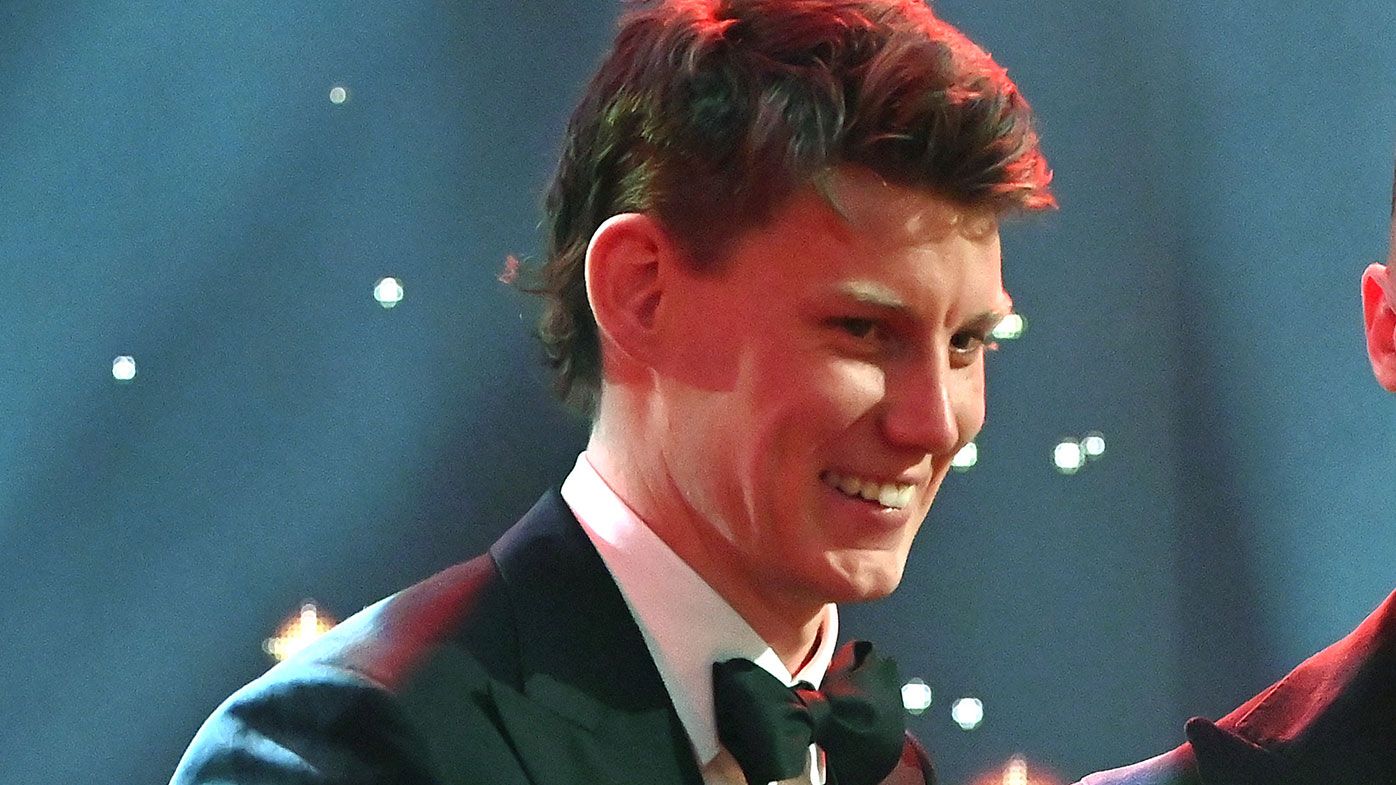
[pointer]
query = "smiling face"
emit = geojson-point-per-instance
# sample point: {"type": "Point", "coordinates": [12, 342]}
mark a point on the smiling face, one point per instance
{"type": "Point", "coordinates": [814, 389]}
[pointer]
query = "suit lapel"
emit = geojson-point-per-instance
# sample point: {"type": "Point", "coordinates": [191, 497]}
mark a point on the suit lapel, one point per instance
{"type": "Point", "coordinates": [592, 706]}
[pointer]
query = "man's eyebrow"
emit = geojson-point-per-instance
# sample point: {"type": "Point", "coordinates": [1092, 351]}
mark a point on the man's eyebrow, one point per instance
{"type": "Point", "coordinates": [988, 320]}
{"type": "Point", "coordinates": [884, 299]}
{"type": "Point", "coordinates": [873, 295]}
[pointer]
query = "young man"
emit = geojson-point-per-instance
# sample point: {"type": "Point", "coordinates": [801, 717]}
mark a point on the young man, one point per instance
{"type": "Point", "coordinates": [773, 264]}
{"type": "Point", "coordinates": [1332, 720]}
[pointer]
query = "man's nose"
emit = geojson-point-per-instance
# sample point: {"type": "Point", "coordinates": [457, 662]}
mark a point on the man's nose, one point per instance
{"type": "Point", "coordinates": [920, 412]}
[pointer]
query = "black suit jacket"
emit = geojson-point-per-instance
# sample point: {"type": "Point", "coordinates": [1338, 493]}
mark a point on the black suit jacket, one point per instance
{"type": "Point", "coordinates": [523, 665]}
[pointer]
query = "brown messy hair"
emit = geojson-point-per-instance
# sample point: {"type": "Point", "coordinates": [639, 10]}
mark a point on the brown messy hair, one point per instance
{"type": "Point", "coordinates": [706, 114]}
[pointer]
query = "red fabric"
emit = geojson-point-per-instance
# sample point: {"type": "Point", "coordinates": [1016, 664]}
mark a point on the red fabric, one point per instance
{"type": "Point", "coordinates": [1331, 720]}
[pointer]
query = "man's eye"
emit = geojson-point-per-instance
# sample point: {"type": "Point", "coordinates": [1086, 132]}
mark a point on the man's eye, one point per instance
{"type": "Point", "coordinates": [856, 327]}
{"type": "Point", "coordinates": [965, 342]}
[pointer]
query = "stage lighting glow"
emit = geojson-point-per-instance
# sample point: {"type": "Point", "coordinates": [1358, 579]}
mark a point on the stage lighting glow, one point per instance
{"type": "Point", "coordinates": [1069, 456]}
{"type": "Point", "coordinates": [123, 368]}
{"type": "Point", "coordinates": [1094, 444]}
{"type": "Point", "coordinates": [968, 713]}
{"type": "Point", "coordinates": [298, 631]}
{"type": "Point", "coordinates": [338, 94]}
{"type": "Point", "coordinates": [1011, 328]}
{"type": "Point", "coordinates": [966, 458]}
{"type": "Point", "coordinates": [916, 696]}
{"type": "Point", "coordinates": [388, 292]}
{"type": "Point", "coordinates": [1016, 772]}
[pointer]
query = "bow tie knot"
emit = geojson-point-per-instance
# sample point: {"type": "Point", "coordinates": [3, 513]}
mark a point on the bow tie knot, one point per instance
{"type": "Point", "coordinates": [817, 706]}
{"type": "Point", "coordinates": [857, 718]}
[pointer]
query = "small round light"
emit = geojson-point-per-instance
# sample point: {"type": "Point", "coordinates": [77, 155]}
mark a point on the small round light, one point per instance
{"type": "Point", "coordinates": [916, 696]}
{"type": "Point", "coordinates": [338, 94]}
{"type": "Point", "coordinates": [1094, 444]}
{"type": "Point", "coordinates": [298, 631]}
{"type": "Point", "coordinates": [966, 458]}
{"type": "Point", "coordinates": [1010, 328]}
{"type": "Point", "coordinates": [123, 368]}
{"type": "Point", "coordinates": [388, 292]}
{"type": "Point", "coordinates": [968, 713]}
{"type": "Point", "coordinates": [1069, 456]}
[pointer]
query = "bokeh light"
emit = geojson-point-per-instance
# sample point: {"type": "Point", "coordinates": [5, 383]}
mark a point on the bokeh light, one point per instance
{"type": "Point", "coordinates": [968, 713]}
{"type": "Point", "coordinates": [916, 696]}
{"type": "Point", "coordinates": [123, 368]}
{"type": "Point", "coordinates": [339, 94]}
{"type": "Point", "coordinates": [1011, 328]}
{"type": "Point", "coordinates": [388, 292]}
{"type": "Point", "coordinates": [966, 458]}
{"type": "Point", "coordinates": [1018, 770]}
{"type": "Point", "coordinates": [1069, 456]}
{"type": "Point", "coordinates": [298, 631]}
{"type": "Point", "coordinates": [1094, 444]}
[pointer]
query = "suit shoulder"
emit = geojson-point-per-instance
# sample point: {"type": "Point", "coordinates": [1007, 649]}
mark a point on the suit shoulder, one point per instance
{"type": "Point", "coordinates": [459, 617]}
{"type": "Point", "coordinates": [386, 696]}
{"type": "Point", "coordinates": [303, 724]}
{"type": "Point", "coordinates": [1175, 767]}
{"type": "Point", "coordinates": [310, 723]}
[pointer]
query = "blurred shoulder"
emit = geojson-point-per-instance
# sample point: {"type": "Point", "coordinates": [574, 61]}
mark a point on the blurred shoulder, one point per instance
{"type": "Point", "coordinates": [1175, 767]}
{"type": "Point", "coordinates": [459, 617]}
{"type": "Point", "coordinates": [368, 701]}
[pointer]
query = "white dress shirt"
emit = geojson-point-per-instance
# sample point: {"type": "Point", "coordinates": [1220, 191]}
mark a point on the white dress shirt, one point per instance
{"type": "Point", "coordinates": [685, 623]}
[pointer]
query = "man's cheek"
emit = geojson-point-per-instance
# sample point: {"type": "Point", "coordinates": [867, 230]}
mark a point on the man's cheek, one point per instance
{"type": "Point", "coordinates": [850, 387]}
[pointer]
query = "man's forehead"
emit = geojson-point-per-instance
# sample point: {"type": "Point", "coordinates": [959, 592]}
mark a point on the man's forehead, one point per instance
{"type": "Point", "coordinates": [865, 202]}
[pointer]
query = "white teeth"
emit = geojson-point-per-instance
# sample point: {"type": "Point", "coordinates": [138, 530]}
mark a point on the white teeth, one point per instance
{"type": "Point", "coordinates": [904, 497]}
{"type": "Point", "coordinates": [849, 485]}
{"type": "Point", "coordinates": [893, 495]}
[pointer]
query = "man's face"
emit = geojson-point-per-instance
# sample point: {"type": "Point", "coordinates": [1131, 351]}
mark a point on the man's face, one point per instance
{"type": "Point", "coordinates": [817, 385]}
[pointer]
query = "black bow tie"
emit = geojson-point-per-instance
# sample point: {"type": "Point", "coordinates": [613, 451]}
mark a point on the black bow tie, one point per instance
{"type": "Point", "coordinates": [857, 718]}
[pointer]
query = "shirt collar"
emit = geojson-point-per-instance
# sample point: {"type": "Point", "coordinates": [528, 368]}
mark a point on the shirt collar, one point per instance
{"type": "Point", "coordinates": [685, 623]}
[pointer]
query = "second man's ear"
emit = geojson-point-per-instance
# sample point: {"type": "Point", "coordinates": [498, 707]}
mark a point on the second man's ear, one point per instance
{"type": "Point", "coordinates": [626, 263]}
{"type": "Point", "coordinates": [1379, 321]}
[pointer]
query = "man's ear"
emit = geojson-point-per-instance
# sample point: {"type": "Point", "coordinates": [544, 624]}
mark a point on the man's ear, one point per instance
{"type": "Point", "coordinates": [1379, 318]}
{"type": "Point", "coordinates": [625, 266]}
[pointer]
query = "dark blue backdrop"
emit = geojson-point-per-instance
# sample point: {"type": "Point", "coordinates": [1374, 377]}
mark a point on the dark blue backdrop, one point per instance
{"type": "Point", "coordinates": [176, 185]}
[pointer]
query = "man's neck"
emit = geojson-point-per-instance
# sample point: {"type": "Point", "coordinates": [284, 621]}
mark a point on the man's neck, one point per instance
{"type": "Point", "coordinates": [788, 623]}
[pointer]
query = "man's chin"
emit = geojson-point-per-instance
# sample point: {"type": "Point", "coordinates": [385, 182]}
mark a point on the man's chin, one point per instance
{"type": "Point", "coordinates": [860, 578]}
